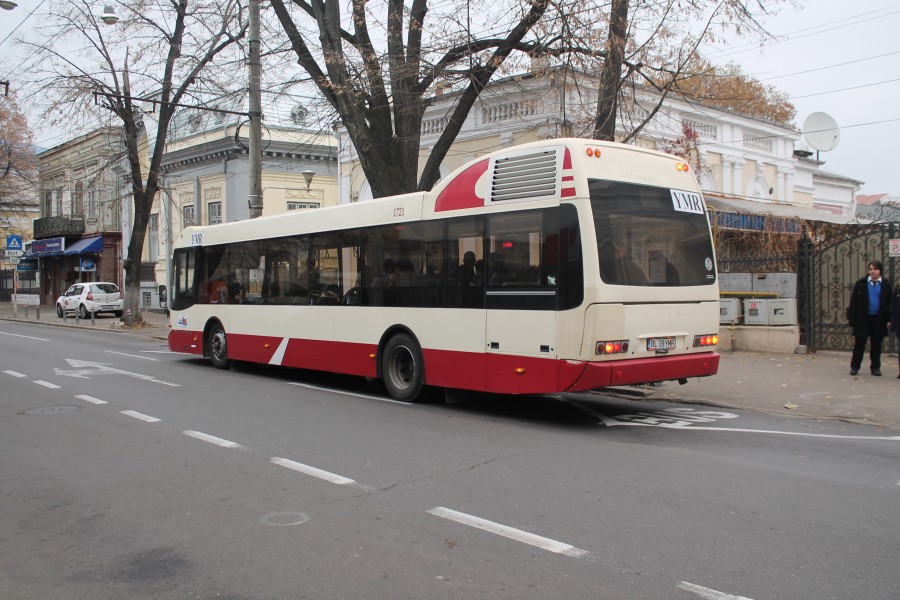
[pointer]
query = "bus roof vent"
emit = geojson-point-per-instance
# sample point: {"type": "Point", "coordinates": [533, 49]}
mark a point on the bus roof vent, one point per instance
{"type": "Point", "coordinates": [526, 175]}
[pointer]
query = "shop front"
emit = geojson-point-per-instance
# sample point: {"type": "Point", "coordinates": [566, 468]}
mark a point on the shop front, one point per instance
{"type": "Point", "coordinates": [64, 261]}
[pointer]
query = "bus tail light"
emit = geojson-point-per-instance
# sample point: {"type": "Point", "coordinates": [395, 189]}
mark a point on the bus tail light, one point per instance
{"type": "Point", "coordinates": [614, 347]}
{"type": "Point", "coordinates": [706, 340]}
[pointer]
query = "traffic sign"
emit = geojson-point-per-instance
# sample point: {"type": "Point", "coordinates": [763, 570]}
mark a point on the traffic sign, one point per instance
{"type": "Point", "coordinates": [14, 242]}
{"type": "Point", "coordinates": [14, 253]}
{"type": "Point", "coordinates": [13, 260]}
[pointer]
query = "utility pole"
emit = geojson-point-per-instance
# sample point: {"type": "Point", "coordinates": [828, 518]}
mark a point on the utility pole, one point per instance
{"type": "Point", "coordinates": [255, 146]}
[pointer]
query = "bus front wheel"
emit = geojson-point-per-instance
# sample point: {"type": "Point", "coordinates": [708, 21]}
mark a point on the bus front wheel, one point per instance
{"type": "Point", "coordinates": [218, 347]}
{"type": "Point", "coordinates": [402, 368]}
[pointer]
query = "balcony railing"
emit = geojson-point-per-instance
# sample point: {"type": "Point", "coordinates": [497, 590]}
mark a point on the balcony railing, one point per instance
{"type": "Point", "coordinates": [57, 227]}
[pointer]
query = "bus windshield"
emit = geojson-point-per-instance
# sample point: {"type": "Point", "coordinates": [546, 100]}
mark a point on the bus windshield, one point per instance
{"type": "Point", "coordinates": [651, 236]}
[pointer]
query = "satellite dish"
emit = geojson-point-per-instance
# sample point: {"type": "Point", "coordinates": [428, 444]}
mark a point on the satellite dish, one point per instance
{"type": "Point", "coordinates": [821, 131]}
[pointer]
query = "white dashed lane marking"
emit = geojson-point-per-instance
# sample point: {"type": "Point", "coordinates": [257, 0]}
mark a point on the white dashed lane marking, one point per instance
{"type": "Point", "coordinates": [46, 384]}
{"type": "Point", "coordinates": [706, 593]}
{"type": "Point", "coordinates": [91, 399]}
{"type": "Point", "coordinates": [312, 471]}
{"type": "Point", "coordinates": [211, 439]}
{"type": "Point", "coordinates": [131, 355]}
{"type": "Point", "coordinates": [141, 416]}
{"type": "Point", "coordinates": [27, 337]}
{"type": "Point", "coordinates": [510, 532]}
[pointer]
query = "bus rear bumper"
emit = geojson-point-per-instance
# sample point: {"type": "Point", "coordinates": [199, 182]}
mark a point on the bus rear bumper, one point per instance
{"type": "Point", "coordinates": [645, 370]}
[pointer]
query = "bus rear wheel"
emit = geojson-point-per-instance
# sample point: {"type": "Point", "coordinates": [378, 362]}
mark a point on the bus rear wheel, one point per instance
{"type": "Point", "coordinates": [402, 368]}
{"type": "Point", "coordinates": [218, 347]}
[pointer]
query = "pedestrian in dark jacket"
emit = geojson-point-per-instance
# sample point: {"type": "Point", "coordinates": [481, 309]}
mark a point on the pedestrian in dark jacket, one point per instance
{"type": "Point", "coordinates": [869, 314]}
{"type": "Point", "coordinates": [895, 320]}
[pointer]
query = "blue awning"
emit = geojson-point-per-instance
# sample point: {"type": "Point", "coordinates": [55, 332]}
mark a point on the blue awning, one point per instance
{"type": "Point", "coordinates": [91, 245]}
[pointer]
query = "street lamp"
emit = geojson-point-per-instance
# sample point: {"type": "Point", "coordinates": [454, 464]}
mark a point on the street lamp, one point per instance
{"type": "Point", "coordinates": [308, 177]}
{"type": "Point", "coordinates": [109, 16]}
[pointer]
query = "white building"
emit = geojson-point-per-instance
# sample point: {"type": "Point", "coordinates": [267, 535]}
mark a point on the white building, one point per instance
{"type": "Point", "coordinates": [746, 165]}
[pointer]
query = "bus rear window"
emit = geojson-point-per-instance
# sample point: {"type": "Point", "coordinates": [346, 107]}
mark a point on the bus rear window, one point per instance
{"type": "Point", "coordinates": [651, 236]}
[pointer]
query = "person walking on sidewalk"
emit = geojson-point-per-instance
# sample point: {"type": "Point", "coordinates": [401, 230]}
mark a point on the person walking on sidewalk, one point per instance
{"type": "Point", "coordinates": [869, 314]}
{"type": "Point", "coordinates": [895, 320]}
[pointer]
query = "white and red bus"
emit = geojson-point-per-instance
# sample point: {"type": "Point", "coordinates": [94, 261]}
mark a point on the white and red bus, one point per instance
{"type": "Point", "coordinates": [553, 266]}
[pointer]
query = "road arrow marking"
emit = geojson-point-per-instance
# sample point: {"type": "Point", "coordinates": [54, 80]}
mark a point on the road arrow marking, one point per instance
{"type": "Point", "coordinates": [83, 369]}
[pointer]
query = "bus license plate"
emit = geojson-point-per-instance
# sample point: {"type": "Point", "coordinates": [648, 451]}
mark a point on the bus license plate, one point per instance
{"type": "Point", "coordinates": [666, 343]}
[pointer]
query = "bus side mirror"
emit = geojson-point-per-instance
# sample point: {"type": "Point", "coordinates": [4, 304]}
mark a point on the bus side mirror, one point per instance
{"type": "Point", "coordinates": [163, 296]}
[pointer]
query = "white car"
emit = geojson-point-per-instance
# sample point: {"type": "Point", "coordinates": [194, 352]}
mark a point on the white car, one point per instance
{"type": "Point", "coordinates": [94, 297]}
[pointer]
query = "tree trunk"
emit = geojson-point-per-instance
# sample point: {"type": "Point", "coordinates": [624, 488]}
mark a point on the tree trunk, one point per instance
{"type": "Point", "coordinates": [611, 77]}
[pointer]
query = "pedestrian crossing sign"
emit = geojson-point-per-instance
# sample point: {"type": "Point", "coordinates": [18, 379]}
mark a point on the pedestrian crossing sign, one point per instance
{"type": "Point", "coordinates": [14, 242]}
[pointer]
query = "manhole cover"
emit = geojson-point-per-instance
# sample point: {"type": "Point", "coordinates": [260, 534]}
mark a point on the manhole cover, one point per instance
{"type": "Point", "coordinates": [285, 518]}
{"type": "Point", "coordinates": [51, 410]}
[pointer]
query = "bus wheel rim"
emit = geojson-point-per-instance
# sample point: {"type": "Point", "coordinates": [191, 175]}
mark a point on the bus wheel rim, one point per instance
{"type": "Point", "coordinates": [403, 367]}
{"type": "Point", "coordinates": [218, 344]}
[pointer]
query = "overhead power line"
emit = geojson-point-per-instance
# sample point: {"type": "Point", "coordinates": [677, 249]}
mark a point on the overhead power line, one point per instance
{"type": "Point", "coordinates": [856, 87]}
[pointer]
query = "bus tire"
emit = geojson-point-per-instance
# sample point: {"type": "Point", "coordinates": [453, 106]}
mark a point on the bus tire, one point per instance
{"type": "Point", "coordinates": [218, 347]}
{"type": "Point", "coordinates": [402, 368]}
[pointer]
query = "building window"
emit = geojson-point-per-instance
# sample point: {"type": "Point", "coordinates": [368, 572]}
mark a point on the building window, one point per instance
{"type": "Point", "coordinates": [215, 213]}
{"type": "Point", "coordinates": [57, 205]}
{"type": "Point", "coordinates": [153, 242]}
{"type": "Point", "coordinates": [145, 299]}
{"type": "Point", "coordinates": [48, 203]}
{"type": "Point", "coordinates": [187, 216]}
{"type": "Point", "coordinates": [78, 200]}
{"type": "Point", "coordinates": [91, 205]}
{"type": "Point", "coordinates": [302, 205]}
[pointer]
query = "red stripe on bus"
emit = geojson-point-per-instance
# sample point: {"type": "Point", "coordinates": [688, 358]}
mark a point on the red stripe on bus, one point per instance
{"type": "Point", "coordinates": [567, 160]}
{"type": "Point", "coordinates": [460, 193]}
{"type": "Point", "coordinates": [567, 192]}
{"type": "Point", "coordinates": [489, 372]}
{"type": "Point", "coordinates": [186, 341]}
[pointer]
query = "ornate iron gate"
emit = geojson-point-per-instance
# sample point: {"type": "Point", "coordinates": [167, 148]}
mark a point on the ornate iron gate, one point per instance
{"type": "Point", "coordinates": [826, 274]}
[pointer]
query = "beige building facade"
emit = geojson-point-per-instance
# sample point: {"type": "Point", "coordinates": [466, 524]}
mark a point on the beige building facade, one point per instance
{"type": "Point", "coordinates": [78, 236]}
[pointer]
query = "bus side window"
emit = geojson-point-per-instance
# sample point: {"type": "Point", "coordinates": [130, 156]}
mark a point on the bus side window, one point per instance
{"type": "Point", "coordinates": [464, 288]}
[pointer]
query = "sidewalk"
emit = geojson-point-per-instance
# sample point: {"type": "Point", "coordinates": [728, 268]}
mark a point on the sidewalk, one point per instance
{"type": "Point", "coordinates": [811, 385]}
{"type": "Point", "coordinates": [155, 326]}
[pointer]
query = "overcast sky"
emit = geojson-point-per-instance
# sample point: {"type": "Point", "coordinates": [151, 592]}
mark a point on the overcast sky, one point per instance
{"type": "Point", "coordinates": [833, 56]}
{"type": "Point", "coordinates": [841, 58]}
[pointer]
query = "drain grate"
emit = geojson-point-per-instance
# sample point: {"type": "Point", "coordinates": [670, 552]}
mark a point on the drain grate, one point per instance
{"type": "Point", "coordinates": [50, 410]}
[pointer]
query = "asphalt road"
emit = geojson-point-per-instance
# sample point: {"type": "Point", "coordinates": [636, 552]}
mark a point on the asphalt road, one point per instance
{"type": "Point", "coordinates": [129, 472]}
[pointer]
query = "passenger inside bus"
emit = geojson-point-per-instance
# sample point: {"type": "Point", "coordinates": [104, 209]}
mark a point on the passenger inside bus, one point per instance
{"type": "Point", "coordinates": [235, 293]}
{"type": "Point", "coordinates": [331, 296]}
{"type": "Point", "coordinates": [465, 273]}
{"type": "Point", "coordinates": [499, 273]}
{"type": "Point", "coordinates": [617, 267]}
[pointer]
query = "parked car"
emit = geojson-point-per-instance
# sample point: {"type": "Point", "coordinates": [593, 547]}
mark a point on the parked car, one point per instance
{"type": "Point", "coordinates": [95, 297]}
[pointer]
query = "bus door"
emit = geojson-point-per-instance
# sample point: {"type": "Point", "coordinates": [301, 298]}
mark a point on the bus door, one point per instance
{"type": "Point", "coordinates": [521, 299]}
